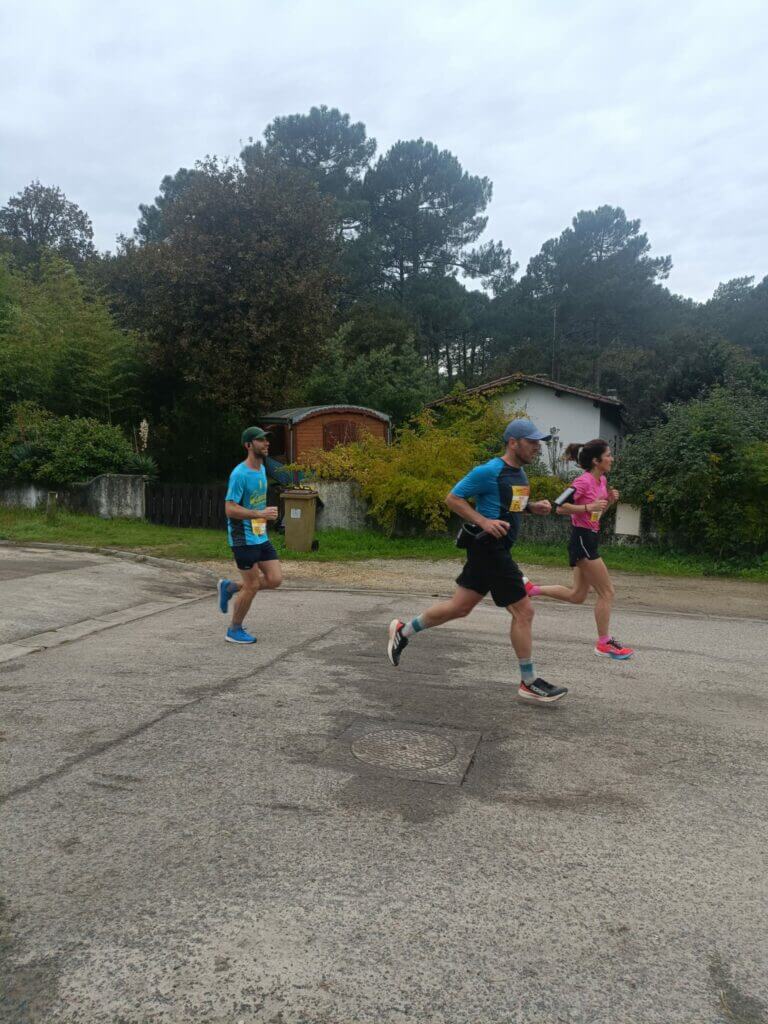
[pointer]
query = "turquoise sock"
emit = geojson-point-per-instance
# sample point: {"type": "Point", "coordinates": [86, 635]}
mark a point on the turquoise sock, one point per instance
{"type": "Point", "coordinates": [527, 673]}
{"type": "Point", "coordinates": [414, 626]}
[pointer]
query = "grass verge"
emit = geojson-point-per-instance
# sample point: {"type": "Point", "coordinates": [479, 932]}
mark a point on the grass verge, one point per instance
{"type": "Point", "coordinates": [195, 545]}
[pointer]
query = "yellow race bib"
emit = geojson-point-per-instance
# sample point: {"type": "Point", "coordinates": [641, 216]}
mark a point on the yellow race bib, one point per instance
{"type": "Point", "coordinates": [520, 497]}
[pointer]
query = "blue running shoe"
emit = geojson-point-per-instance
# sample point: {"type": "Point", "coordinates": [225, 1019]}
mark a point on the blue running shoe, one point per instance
{"type": "Point", "coordinates": [239, 636]}
{"type": "Point", "coordinates": [224, 595]}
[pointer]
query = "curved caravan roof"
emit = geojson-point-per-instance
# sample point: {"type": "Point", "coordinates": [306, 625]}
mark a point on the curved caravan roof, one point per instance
{"type": "Point", "coordinates": [306, 412]}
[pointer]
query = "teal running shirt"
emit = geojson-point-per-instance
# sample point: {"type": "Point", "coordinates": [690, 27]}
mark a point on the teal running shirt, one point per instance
{"type": "Point", "coordinates": [247, 487]}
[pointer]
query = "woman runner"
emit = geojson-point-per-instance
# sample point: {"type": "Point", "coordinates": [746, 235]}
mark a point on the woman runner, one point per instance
{"type": "Point", "coordinates": [591, 497]}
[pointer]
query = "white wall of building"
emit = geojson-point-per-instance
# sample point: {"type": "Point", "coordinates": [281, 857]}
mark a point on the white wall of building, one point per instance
{"type": "Point", "coordinates": [573, 417]}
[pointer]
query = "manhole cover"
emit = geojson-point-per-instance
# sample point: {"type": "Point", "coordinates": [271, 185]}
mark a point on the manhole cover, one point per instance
{"type": "Point", "coordinates": [403, 749]}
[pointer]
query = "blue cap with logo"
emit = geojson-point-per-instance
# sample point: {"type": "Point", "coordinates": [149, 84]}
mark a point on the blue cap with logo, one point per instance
{"type": "Point", "coordinates": [520, 429]}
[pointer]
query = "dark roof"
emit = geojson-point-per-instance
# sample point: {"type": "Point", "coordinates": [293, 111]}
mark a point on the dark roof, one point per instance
{"type": "Point", "coordinates": [304, 412]}
{"type": "Point", "coordinates": [525, 378]}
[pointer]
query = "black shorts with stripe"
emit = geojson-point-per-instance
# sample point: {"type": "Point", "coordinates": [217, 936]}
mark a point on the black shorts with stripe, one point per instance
{"type": "Point", "coordinates": [583, 544]}
{"type": "Point", "coordinates": [490, 567]}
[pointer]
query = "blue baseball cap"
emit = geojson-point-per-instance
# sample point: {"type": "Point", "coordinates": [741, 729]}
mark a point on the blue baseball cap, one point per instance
{"type": "Point", "coordinates": [524, 429]}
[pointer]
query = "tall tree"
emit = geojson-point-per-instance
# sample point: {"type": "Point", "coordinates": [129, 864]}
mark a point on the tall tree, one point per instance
{"type": "Point", "coordinates": [235, 299]}
{"type": "Point", "coordinates": [425, 213]}
{"type": "Point", "coordinates": [41, 218]}
{"type": "Point", "coordinates": [152, 226]}
{"type": "Point", "coordinates": [739, 311]}
{"type": "Point", "coordinates": [334, 152]}
{"type": "Point", "coordinates": [328, 145]}
{"type": "Point", "coordinates": [453, 326]}
{"type": "Point", "coordinates": [592, 289]}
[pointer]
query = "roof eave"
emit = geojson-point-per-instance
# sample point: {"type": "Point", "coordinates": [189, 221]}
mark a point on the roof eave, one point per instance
{"type": "Point", "coordinates": [522, 378]}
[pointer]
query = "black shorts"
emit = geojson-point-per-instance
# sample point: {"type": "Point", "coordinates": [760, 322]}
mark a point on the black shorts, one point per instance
{"type": "Point", "coordinates": [490, 567]}
{"type": "Point", "coordinates": [583, 544]}
{"type": "Point", "coordinates": [248, 555]}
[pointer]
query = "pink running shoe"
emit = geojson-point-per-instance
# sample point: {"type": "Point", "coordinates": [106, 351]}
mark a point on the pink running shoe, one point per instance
{"type": "Point", "coordinates": [530, 588]}
{"type": "Point", "coordinates": [613, 649]}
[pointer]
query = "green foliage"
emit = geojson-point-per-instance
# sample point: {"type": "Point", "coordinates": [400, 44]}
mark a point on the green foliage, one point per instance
{"type": "Point", "coordinates": [590, 291]}
{"type": "Point", "coordinates": [703, 474]}
{"type": "Point", "coordinates": [38, 446]}
{"type": "Point", "coordinates": [738, 310]}
{"type": "Point", "coordinates": [425, 211]}
{"type": "Point", "coordinates": [478, 418]}
{"type": "Point", "coordinates": [327, 146]}
{"type": "Point", "coordinates": [378, 322]}
{"type": "Point", "coordinates": [546, 486]}
{"type": "Point", "coordinates": [237, 272]}
{"type": "Point", "coordinates": [152, 225]}
{"type": "Point", "coordinates": [453, 326]}
{"type": "Point", "coordinates": [234, 302]}
{"type": "Point", "coordinates": [391, 379]}
{"type": "Point", "coordinates": [60, 348]}
{"type": "Point", "coordinates": [40, 219]}
{"type": "Point", "coordinates": [411, 478]}
{"type": "Point", "coordinates": [141, 464]}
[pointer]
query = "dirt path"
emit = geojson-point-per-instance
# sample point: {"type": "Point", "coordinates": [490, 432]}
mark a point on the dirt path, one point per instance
{"type": "Point", "coordinates": [733, 598]}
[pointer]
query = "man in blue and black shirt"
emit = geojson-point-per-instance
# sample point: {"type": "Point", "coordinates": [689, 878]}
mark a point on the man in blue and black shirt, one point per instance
{"type": "Point", "coordinates": [501, 493]}
{"type": "Point", "coordinates": [247, 517]}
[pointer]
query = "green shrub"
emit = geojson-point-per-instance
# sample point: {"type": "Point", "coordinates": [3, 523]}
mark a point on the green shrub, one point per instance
{"type": "Point", "coordinates": [703, 474]}
{"type": "Point", "coordinates": [546, 487]}
{"type": "Point", "coordinates": [38, 446]}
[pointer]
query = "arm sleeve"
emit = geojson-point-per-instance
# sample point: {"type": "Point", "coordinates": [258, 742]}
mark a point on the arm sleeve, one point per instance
{"type": "Point", "coordinates": [235, 488]}
{"type": "Point", "coordinates": [473, 484]}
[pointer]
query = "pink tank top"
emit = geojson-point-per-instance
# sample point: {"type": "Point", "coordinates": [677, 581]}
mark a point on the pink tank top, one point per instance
{"type": "Point", "coordinates": [587, 490]}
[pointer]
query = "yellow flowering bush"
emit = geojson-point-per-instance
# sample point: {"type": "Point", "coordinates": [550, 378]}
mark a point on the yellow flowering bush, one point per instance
{"type": "Point", "coordinates": [411, 477]}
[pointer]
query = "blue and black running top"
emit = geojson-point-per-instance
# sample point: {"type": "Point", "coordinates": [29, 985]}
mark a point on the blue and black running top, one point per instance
{"type": "Point", "coordinates": [500, 491]}
{"type": "Point", "coordinates": [247, 487]}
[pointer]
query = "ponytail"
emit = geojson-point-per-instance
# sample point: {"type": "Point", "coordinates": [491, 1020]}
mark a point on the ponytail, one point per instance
{"type": "Point", "coordinates": [585, 454]}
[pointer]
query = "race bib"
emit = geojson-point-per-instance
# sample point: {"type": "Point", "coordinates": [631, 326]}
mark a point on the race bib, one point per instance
{"type": "Point", "coordinates": [520, 497]}
{"type": "Point", "coordinates": [594, 517]}
{"type": "Point", "coordinates": [259, 527]}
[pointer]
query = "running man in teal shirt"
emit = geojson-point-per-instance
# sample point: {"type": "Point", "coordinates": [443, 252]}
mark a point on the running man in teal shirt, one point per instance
{"type": "Point", "coordinates": [501, 494]}
{"type": "Point", "coordinates": [247, 517]}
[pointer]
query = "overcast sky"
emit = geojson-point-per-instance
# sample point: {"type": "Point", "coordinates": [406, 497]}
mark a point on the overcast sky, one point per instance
{"type": "Point", "coordinates": [656, 107]}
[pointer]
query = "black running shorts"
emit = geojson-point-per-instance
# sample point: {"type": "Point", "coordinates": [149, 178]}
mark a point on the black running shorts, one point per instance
{"type": "Point", "coordinates": [583, 544]}
{"type": "Point", "coordinates": [248, 555]}
{"type": "Point", "coordinates": [490, 567]}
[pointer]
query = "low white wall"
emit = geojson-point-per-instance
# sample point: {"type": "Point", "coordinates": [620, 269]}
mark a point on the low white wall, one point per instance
{"type": "Point", "coordinates": [23, 495]}
{"type": "Point", "coordinates": [343, 507]}
{"type": "Point", "coordinates": [114, 496]}
{"type": "Point", "coordinates": [110, 496]}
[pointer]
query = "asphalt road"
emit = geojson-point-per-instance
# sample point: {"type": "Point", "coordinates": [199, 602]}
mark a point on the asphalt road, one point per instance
{"type": "Point", "coordinates": [297, 832]}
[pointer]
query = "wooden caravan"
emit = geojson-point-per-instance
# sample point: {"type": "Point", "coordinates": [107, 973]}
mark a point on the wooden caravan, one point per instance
{"type": "Point", "coordinates": [292, 432]}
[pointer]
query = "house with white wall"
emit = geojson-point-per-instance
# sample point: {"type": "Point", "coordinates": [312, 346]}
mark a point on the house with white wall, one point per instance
{"type": "Point", "coordinates": [568, 413]}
